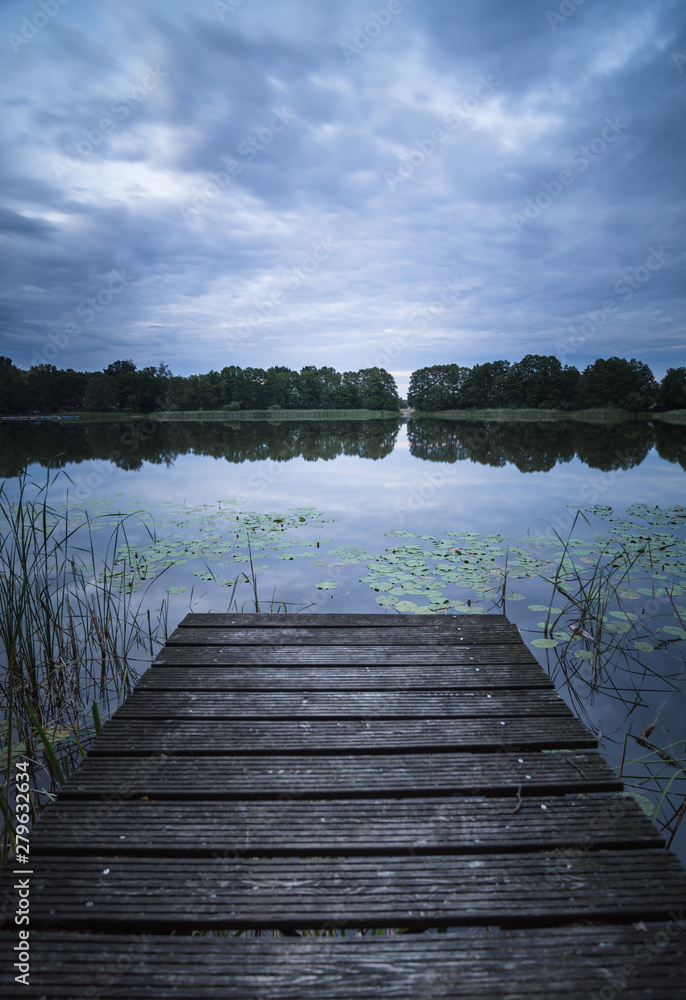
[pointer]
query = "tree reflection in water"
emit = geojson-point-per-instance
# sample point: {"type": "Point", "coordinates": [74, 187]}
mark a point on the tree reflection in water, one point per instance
{"type": "Point", "coordinates": [529, 446]}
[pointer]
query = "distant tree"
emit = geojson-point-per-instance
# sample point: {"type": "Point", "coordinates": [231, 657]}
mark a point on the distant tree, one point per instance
{"type": "Point", "coordinates": [148, 388]}
{"type": "Point", "coordinates": [255, 383]}
{"type": "Point", "coordinates": [439, 387]}
{"type": "Point", "coordinates": [377, 390]}
{"type": "Point", "coordinates": [233, 385]}
{"type": "Point", "coordinates": [212, 390]}
{"type": "Point", "coordinates": [122, 375]}
{"type": "Point", "coordinates": [616, 382]}
{"type": "Point", "coordinates": [309, 388]}
{"type": "Point", "coordinates": [72, 389]}
{"type": "Point", "coordinates": [672, 392]}
{"type": "Point", "coordinates": [101, 393]}
{"type": "Point", "coordinates": [13, 396]}
{"type": "Point", "coordinates": [539, 381]}
{"type": "Point", "coordinates": [281, 387]}
{"type": "Point", "coordinates": [484, 387]}
{"type": "Point", "coordinates": [45, 385]}
{"type": "Point", "coordinates": [348, 392]}
{"type": "Point", "coordinates": [330, 383]}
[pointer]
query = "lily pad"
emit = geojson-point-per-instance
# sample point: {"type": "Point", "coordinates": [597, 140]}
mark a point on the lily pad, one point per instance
{"type": "Point", "coordinates": [675, 630]}
{"type": "Point", "coordinates": [406, 607]}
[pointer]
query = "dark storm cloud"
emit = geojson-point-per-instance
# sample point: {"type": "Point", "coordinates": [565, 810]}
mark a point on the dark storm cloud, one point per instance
{"type": "Point", "coordinates": [183, 166]}
{"type": "Point", "coordinates": [13, 222]}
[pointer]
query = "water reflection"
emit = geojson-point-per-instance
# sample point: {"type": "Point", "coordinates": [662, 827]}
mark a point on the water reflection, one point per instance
{"type": "Point", "coordinates": [131, 445]}
{"type": "Point", "coordinates": [530, 447]}
{"type": "Point", "coordinates": [539, 447]}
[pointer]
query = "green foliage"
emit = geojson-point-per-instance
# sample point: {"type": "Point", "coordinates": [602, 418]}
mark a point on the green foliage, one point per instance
{"type": "Point", "coordinates": [617, 382]}
{"type": "Point", "coordinates": [121, 388]}
{"type": "Point", "coordinates": [672, 392]}
{"type": "Point", "coordinates": [437, 388]}
{"type": "Point", "coordinates": [542, 382]}
{"type": "Point", "coordinates": [535, 382]}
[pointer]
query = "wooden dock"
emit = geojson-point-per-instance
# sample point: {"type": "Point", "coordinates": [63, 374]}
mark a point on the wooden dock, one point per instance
{"type": "Point", "coordinates": [300, 773]}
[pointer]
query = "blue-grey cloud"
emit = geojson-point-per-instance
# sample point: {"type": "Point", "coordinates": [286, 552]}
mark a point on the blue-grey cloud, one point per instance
{"type": "Point", "coordinates": [256, 183]}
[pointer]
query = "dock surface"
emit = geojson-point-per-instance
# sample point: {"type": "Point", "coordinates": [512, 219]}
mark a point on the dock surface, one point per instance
{"type": "Point", "coordinates": [289, 775]}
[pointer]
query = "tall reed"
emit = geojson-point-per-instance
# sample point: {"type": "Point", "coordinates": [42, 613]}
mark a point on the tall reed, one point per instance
{"type": "Point", "coordinates": [70, 635]}
{"type": "Point", "coordinates": [596, 616]}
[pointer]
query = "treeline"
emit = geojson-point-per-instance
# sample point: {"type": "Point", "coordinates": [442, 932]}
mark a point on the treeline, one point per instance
{"type": "Point", "coordinates": [536, 382]}
{"type": "Point", "coordinates": [541, 382]}
{"type": "Point", "coordinates": [123, 388]}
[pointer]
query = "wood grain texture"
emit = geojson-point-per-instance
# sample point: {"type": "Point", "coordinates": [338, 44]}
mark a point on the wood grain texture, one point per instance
{"type": "Point", "coordinates": [325, 656]}
{"type": "Point", "coordinates": [572, 962]}
{"type": "Point", "coordinates": [110, 780]}
{"type": "Point", "coordinates": [285, 705]}
{"type": "Point", "coordinates": [470, 676]}
{"type": "Point", "coordinates": [468, 625]}
{"type": "Point", "coordinates": [182, 737]}
{"type": "Point", "coordinates": [511, 890]}
{"type": "Point", "coordinates": [350, 635]}
{"type": "Point", "coordinates": [351, 827]}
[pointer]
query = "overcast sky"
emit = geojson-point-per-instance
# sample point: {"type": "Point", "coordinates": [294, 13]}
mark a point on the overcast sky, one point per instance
{"type": "Point", "coordinates": [416, 182]}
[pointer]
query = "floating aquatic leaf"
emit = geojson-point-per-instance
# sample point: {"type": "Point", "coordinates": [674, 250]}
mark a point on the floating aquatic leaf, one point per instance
{"type": "Point", "coordinates": [327, 585]}
{"type": "Point", "coordinates": [618, 628]}
{"type": "Point", "coordinates": [643, 646]}
{"type": "Point", "coordinates": [406, 607]}
{"type": "Point", "coordinates": [177, 590]}
{"type": "Point", "coordinates": [545, 643]}
{"type": "Point", "coordinates": [675, 630]}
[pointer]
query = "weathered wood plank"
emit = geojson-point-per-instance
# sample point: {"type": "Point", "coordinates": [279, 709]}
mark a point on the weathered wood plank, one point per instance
{"type": "Point", "coordinates": [113, 779]}
{"type": "Point", "coordinates": [377, 677]}
{"type": "Point", "coordinates": [324, 705]}
{"type": "Point", "coordinates": [450, 635]}
{"type": "Point", "coordinates": [121, 736]}
{"type": "Point", "coordinates": [513, 890]}
{"type": "Point", "coordinates": [351, 827]}
{"type": "Point", "coordinates": [576, 963]}
{"type": "Point", "coordinates": [367, 656]}
{"type": "Point", "coordinates": [469, 625]}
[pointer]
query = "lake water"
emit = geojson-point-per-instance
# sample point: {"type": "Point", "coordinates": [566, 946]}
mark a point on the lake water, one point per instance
{"type": "Point", "coordinates": [465, 485]}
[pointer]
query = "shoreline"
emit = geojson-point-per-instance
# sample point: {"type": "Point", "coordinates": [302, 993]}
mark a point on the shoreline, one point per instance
{"type": "Point", "coordinates": [593, 416]}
